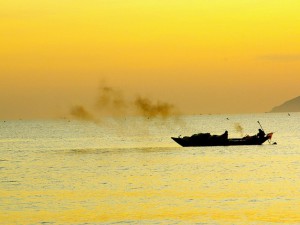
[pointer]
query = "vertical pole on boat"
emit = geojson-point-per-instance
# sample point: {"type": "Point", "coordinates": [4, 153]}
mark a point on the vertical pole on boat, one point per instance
{"type": "Point", "coordinates": [260, 126]}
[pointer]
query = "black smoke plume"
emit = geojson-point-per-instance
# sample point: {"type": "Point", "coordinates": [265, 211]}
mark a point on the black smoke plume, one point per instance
{"type": "Point", "coordinates": [111, 102]}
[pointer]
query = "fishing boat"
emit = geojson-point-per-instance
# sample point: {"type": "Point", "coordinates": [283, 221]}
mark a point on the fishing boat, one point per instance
{"type": "Point", "coordinates": [206, 139]}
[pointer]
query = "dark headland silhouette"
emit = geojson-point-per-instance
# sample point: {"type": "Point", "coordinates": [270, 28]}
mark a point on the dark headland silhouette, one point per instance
{"type": "Point", "coordinates": [292, 105]}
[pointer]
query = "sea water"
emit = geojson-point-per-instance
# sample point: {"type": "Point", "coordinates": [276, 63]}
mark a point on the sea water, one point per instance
{"type": "Point", "coordinates": [129, 171]}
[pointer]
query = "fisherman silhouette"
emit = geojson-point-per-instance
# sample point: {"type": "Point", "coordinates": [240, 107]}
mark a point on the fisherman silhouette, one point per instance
{"type": "Point", "coordinates": [261, 133]}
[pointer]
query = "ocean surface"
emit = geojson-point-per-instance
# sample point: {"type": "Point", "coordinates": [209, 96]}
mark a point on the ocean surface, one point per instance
{"type": "Point", "coordinates": [129, 171]}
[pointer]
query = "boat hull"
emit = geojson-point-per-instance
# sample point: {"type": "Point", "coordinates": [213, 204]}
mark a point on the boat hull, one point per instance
{"type": "Point", "coordinates": [190, 142]}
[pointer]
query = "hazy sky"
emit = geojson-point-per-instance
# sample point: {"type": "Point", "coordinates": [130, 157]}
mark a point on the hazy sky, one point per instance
{"type": "Point", "coordinates": [204, 56]}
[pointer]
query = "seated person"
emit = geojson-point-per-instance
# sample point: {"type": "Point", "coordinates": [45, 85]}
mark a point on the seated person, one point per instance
{"type": "Point", "coordinates": [261, 133]}
{"type": "Point", "coordinates": [225, 135]}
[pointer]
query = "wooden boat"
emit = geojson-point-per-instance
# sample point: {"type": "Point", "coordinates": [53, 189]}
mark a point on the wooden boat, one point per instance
{"type": "Point", "coordinates": [206, 139]}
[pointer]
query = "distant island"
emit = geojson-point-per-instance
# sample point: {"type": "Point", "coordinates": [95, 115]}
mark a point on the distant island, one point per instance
{"type": "Point", "coordinates": [292, 105]}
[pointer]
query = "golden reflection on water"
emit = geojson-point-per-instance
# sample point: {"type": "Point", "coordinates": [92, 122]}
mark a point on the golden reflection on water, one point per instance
{"type": "Point", "coordinates": [73, 173]}
{"type": "Point", "coordinates": [179, 185]}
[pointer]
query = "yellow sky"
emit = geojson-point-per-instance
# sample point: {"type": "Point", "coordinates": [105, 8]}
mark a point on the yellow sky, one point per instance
{"type": "Point", "coordinates": [205, 56]}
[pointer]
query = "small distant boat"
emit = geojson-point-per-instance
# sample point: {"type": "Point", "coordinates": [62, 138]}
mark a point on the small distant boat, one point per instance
{"type": "Point", "coordinates": [206, 139]}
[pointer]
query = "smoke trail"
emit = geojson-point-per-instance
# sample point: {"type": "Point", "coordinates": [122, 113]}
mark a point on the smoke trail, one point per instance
{"type": "Point", "coordinates": [79, 112]}
{"type": "Point", "coordinates": [111, 102]}
{"type": "Point", "coordinates": [239, 129]}
{"type": "Point", "coordinates": [109, 97]}
{"type": "Point", "coordinates": [150, 110]}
